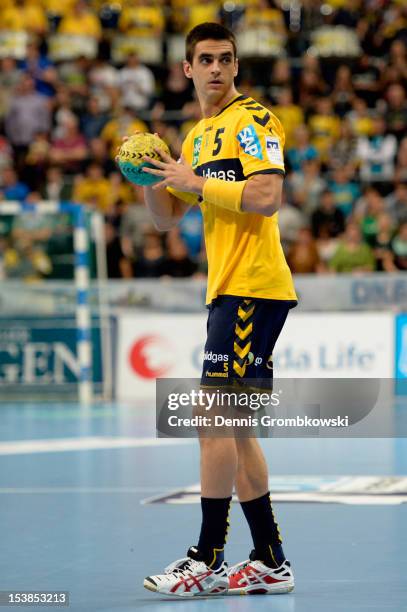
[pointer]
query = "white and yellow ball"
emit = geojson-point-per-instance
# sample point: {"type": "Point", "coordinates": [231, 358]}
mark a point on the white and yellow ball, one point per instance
{"type": "Point", "coordinates": [131, 154]}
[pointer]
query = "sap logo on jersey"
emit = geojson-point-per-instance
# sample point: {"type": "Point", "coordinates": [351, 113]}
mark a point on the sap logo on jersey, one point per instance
{"type": "Point", "coordinates": [228, 175]}
{"type": "Point", "coordinates": [249, 141]}
{"type": "Point", "coordinates": [146, 357]}
{"type": "Point", "coordinates": [214, 358]}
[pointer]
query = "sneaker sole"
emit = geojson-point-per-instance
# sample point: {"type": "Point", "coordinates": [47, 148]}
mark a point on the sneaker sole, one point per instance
{"type": "Point", "coordinates": [151, 587]}
{"type": "Point", "coordinates": [261, 590]}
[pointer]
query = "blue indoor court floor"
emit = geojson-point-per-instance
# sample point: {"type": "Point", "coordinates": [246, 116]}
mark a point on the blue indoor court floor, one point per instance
{"type": "Point", "coordinates": [73, 487]}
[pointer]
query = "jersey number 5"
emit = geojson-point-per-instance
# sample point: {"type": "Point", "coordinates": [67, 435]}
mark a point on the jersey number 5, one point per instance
{"type": "Point", "coordinates": [218, 141]}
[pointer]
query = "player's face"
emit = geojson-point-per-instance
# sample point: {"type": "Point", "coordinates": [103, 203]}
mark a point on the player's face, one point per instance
{"type": "Point", "coordinates": [213, 69]}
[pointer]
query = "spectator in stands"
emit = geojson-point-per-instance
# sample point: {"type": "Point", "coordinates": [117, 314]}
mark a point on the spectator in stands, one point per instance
{"type": "Point", "coordinates": [34, 227]}
{"type": "Point", "coordinates": [231, 15]}
{"type": "Point", "coordinates": [62, 111]}
{"type": "Point", "coordinates": [311, 86]}
{"type": "Point", "coordinates": [396, 112]}
{"type": "Point", "coordinates": [394, 22]}
{"type": "Point", "coordinates": [80, 21]}
{"type": "Point", "coordinates": [57, 8]}
{"type": "Point", "coordinates": [6, 154]}
{"type": "Point", "coordinates": [290, 220]}
{"type": "Point", "coordinates": [302, 150]}
{"type": "Point", "coordinates": [400, 173]}
{"type": "Point", "coordinates": [10, 75]}
{"type": "Point", "coordinates": [292, 117]}
{"type": "Point", "coordinates": [343, 92]}
{"type": "Point", "coordinates": [399, 248]}
{"type": "Point", "coordinates": [175, 94]}
{"type": "Point", "coordinates": [26, 261]}
{"type": "Point", "coordinates": [280, 79]}
{"type": "Point", "coordinates": [36, 161]}
{"type": "Point", "coordinates": [135, 221]}
{"type": "Point", "coordinates": [22, 16]}
{"type": "Point", "coordinates": [99, 153]}
{"type": "Point", "coordinates": [397, 60]}
{"type": "Point", "coordinates": [123, 123]}
{"type": "Point", "coordinates": [150, 259]}
{"type": "Point", "coordinates": [352, 254]}
{"type": "Point", "coordinates": [140, 19]}
{"type": "Point", "coordinates": [369, 193]}
{"type": "Point", "coordinates": [93, 188]}
{"type": "Point", "coordinates": [382, 244]}
{"type": "Point", "coordinates": [366, 80]}
{"type": "Point", "coordinates": [190, 228]}
{"type": "Point", "coordinates": [369, 222]}
{"type": "Point", "coordinates": [265, 14]}
{"type": "Point", "coordinates": [346, 13]}
{"type": "Point", "coordinates": [118, 265]}
{"type": "Point", "coordinates": [28, 114]}
{"type": "Point", "coordinates": [327, 220]}
{"type": "Point", "coordinates": [136, 83]}
{"type": "Point", "coordinates": [41, 69]}
{"type": "Point", "coordinates": [55, 188]}
{"type": "Point", "coordinates": [73, 76]}
{"type": "Point", "coordinates": [345, 190]}
{"type": "Point", "coordinates": [303, 256]}
{"type": "Point", "coordinates": [325, 127]}
{"type": "Point", "coordinates": [120, 192]}
{"type": "Point", "coordinates": [396, 203]}
{"type": "Point", "coordinates": [343, 150]}
{"type": "Point", "coordinates": [307, 185]}
{"type": "Point", "coordinates": [103, 80]}
{"type": "Point", "coordinates": [70, 150]}
{"type": "Point", "coordinates": [11, 188]}
{"type": "Point", "coordinates": [169, 134]}
{"type": "Point", "coordinates": [93, 120]}
{"type": "Point", "coordinates": [360, 118]}
{"type": "Point", "coordinates": [200, 12]}
{"type": "Point", "coordinates": [177, 262]}
{"type": "Point", "coordinates": [377, 153]}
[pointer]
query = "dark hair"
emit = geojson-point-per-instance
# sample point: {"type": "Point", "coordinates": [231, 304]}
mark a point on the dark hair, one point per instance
{"type": "Point", "coordinates": [207, 31]}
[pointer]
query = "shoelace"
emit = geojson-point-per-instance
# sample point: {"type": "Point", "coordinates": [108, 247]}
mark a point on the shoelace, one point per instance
{"type": "Point", "coordinates": [181, 567]}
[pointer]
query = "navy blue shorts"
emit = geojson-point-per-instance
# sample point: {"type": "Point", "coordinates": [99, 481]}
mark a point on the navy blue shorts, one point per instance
{"type": "Point", "coordinates": [242, 333]}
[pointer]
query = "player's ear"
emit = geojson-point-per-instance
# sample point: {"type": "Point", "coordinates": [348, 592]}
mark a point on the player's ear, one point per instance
{"type": "Point", "coordinates": [236, 67]}
{"type": "Point", "coordinates": [187, 69]}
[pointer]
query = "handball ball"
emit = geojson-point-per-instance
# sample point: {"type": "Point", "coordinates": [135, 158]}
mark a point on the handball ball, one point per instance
{"type": "Point", "coordinates": [131, 153]}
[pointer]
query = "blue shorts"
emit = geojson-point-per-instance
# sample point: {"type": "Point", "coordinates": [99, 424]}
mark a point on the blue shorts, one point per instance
{"type": "Point", "coordinates": [242, 333]}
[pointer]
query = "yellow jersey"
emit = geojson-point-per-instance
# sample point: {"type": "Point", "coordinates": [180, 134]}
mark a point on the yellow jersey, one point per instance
{"type": "Point", "coordinates": [245, 257]}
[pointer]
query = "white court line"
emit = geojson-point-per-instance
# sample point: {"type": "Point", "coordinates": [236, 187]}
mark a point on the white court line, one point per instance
{"type": "Point", "coordinates": [87, 490]}
{"type": "Point", "coordinates": [59, 445]}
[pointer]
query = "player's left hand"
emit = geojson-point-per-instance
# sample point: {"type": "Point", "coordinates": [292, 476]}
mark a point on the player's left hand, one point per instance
{"type": "Point", "coordinates": [174, 174]}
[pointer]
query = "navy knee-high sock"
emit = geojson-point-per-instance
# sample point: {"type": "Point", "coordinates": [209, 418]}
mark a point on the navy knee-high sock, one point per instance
{"type": "Point", "coordinates": [264, 529]}
{"type": "Point", "coordinates": [215, 524]}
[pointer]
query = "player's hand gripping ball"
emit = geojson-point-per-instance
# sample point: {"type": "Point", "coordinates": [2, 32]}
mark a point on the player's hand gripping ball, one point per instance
{"type": "Point", "coordinates": [131, 153]}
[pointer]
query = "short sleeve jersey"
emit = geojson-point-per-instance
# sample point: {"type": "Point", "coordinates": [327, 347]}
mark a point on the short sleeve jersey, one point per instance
{"type": "Point", "coordinates": [245, 257]}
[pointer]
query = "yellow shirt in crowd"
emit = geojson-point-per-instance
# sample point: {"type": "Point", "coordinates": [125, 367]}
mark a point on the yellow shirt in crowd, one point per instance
{"type": "Point", "coordinates": [141, 20]}
{"type": "Point", "coordinates": [115, 129]}
{"type": "Point", "coordinates": [87, 24]}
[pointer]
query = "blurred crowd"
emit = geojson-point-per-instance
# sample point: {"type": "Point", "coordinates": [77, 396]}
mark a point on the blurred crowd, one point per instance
{"type": "Point", "coordinates": [345, 118]}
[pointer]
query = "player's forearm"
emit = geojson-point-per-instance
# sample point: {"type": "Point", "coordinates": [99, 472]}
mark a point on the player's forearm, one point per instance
{"type": "Point", "coordinates": [258, 194]}
{"type": "Point", "coordinates": [163, 208]}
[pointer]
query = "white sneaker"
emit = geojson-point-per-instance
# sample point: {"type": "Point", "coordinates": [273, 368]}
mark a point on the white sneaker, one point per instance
{"type": "Point", "coordinates": [252, 577]}
{"type": "Point", "coordinates": [190, 577]}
